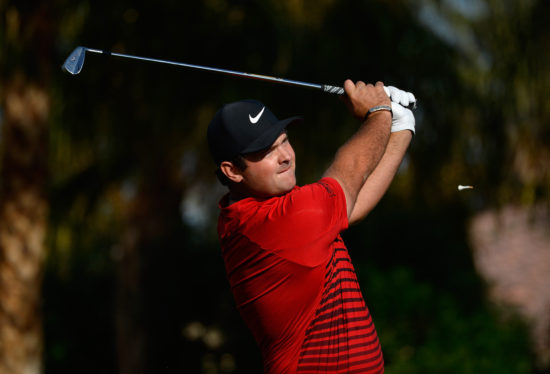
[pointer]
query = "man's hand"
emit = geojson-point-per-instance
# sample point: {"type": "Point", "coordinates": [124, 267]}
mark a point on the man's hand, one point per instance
{"type": "Point", "coordinates": [361, 97]}
{"type": "Point", "coordinates": [403, 118]}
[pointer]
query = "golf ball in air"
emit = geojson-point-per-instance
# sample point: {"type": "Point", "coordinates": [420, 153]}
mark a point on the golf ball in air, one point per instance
{"type": "Point", "coordinates": [461, 187]}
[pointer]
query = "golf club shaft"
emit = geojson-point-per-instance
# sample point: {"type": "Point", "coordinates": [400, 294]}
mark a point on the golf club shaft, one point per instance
{"type": "Point", "coordinates": [323, 87]}
{"type": "Point", "coordinates": [73, 65]}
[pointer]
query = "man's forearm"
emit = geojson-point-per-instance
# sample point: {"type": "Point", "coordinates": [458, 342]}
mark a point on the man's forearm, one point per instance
{"type": "Point", "coordinates": [358, 157]}
{"type": "Point", "coordinates": [380, 179]}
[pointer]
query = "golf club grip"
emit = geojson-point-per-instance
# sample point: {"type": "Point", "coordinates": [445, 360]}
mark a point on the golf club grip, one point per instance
{"type": "Point", "coordinates": [332, 89]}
{"type": "Point", "coordinates": [340, 91]}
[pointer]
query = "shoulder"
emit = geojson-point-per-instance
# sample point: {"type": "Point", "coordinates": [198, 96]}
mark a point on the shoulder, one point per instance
{"type": "Point", "coordinates": [326, 189]}
{"type": "Point", "coordinates": [324, 195]}
{"type": "Point", "coordinates": [331, 186]}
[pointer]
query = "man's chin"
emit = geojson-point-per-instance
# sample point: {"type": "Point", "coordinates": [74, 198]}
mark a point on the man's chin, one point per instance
{"type": "Point", "coordinates": [286, 187]}
{"type": "Point", "coordinates": [289, 187]}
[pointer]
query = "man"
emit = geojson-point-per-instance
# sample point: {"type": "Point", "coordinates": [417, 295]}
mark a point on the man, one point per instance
{"type": "Point", "coordinates": [289, 270]}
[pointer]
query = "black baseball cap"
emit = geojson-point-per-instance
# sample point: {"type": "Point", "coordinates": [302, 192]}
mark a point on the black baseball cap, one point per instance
{"type": "Point", "coordinates": [241, 127]}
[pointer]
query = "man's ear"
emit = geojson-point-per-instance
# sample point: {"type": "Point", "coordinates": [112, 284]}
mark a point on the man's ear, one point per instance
{"type": "Point", "coordinates": [232, 172]}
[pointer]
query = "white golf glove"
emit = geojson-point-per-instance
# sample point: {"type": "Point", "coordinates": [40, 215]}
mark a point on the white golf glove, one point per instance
{"type": "Point", "coordinates": [403, 118]}
{"type": "Point", "coordinates": [399, 96]}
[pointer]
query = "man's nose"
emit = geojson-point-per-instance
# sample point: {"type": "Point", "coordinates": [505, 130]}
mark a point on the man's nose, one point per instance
{"type": "Point", "coordinates": [285, 153]}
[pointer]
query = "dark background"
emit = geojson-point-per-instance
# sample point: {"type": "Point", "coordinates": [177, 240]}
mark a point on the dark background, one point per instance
{"type": "Point", "coordinates": [132, 280]}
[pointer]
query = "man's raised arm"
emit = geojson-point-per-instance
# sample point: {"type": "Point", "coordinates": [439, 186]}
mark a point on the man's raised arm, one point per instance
{"type": "Point", "coordinates": [376, 185]}
{"type": "Point", "coordinates": [359, 156]}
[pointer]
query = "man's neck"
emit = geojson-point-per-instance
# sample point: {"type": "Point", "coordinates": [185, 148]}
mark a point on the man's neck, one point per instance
{"type": "Point", "coordinates": [231, 200]}
{"type": "Point", "coordinates": [235, 196]}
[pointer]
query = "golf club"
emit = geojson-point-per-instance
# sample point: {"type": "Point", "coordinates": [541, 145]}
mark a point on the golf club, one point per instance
{"type": "Point", "coordinates": [73, 65]}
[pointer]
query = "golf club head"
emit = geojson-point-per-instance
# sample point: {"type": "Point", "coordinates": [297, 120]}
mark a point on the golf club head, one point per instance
{"type": "Point", "coordinates": [73, 63]}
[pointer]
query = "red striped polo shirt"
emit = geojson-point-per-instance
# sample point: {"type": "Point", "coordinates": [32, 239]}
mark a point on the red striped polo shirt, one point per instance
{"type": "Point", "coordinates": [294, 284]}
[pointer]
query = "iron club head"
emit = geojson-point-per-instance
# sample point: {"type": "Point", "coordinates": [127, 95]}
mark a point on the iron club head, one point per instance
{"type": "Point", "coordinates": [73, 63]}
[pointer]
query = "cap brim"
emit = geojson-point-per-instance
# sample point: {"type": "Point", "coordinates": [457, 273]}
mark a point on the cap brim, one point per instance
{"type": "Point", "coordinates": [269, 137]}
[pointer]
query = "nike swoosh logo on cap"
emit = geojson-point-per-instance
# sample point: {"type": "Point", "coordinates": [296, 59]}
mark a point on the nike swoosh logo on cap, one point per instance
{"type": "Point", "coordinates": [257, 117]}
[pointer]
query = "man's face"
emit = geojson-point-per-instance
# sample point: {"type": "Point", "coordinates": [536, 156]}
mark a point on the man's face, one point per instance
{"type": "Point", "coordinates": [270, 172]}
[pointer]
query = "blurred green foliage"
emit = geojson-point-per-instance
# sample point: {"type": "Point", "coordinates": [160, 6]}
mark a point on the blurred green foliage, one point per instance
{"type": "Point", "coordinates": [134, 278]}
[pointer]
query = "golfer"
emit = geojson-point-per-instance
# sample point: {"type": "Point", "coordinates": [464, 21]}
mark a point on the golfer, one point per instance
{"type": "Point", "coordinates": [289, 270]}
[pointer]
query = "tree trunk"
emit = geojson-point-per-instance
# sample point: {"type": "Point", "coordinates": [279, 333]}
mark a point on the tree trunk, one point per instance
{"type": "Point", "coordinates": [23, 223]}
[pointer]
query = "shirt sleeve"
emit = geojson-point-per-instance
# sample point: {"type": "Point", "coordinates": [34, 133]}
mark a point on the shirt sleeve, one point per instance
{"type": "Point", "coordinates": [301, 225]}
